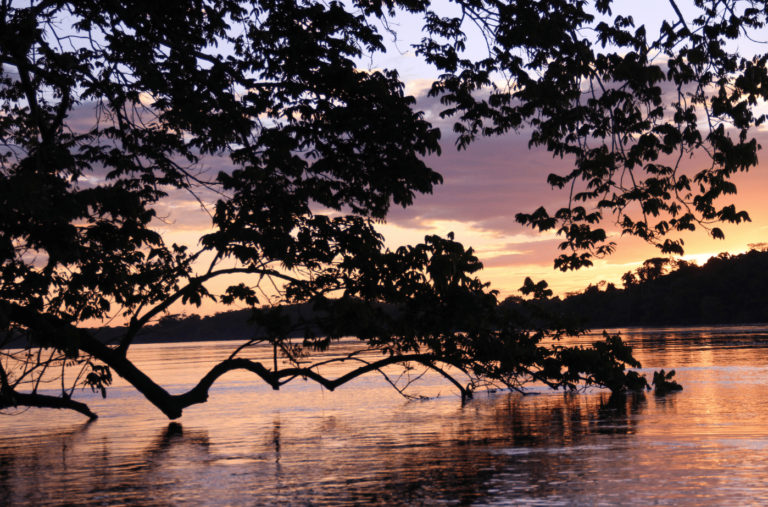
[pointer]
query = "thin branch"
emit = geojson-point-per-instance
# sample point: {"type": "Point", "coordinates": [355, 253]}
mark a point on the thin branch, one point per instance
{"type": "Point", "coordinates": [199, 394]}
{"type": "Point", "coordinates": [137, 324]}
{"type": "Point", "coordinates": [679, 14]}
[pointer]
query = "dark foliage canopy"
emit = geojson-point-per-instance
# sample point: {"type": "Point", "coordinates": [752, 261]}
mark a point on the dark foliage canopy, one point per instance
{"type": "Point", "coordinates": [274, 87]}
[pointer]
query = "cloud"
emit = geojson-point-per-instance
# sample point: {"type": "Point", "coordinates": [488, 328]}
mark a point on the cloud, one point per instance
{"type": "Point", "coordinates": [487, 184]}
{"type": "Point", "coordinates": [523, 258]}
{"type": "Point", "coordinates": [420, 88]}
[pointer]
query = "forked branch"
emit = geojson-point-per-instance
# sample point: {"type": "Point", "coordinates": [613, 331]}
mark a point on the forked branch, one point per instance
{"type": "Point", "coordinates": [199, 394]}
{"type": "Point", "coordinates": [173, 405]}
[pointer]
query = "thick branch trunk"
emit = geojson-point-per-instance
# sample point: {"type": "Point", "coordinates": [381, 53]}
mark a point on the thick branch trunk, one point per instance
{"type": "Point", "coordinates": [199, 394]}
{"type": "Point", "coordinates": [53, 328]}
{"type": "Point", "coordinates": [42, 401]}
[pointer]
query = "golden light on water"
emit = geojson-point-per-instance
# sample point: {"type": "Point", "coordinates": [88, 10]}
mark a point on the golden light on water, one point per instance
{"type": "Point", "coordinates": [364, 444]}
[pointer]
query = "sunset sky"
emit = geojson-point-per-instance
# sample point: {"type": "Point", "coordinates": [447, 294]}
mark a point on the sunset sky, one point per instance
{"type": "Point", "coordinates": [486, 185]}
{"type": "Point", "coordinates": [495, 178]}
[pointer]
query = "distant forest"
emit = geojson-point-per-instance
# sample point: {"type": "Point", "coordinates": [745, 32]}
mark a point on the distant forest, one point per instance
{"type": "Point", "coordinates": [728, 289]}
{"type": "Point", "coordinates": [231, 325]}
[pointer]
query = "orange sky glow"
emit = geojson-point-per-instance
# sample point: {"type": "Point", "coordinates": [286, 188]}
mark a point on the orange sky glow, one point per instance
{"type": "Point", "coordinates": [495, 178]}
{"type": "Point", "coordinates": [484, 187]}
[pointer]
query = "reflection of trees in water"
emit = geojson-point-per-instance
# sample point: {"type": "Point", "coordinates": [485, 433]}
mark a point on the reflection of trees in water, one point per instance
{"type": "Point", "coordinates": [565, 420]}
{"type": "Point", "coordinates": [173, 467]}
{"type": "Point", "coordinates": [73, 467]}
{"type": "Point", "coordinates": [665, 403]}
{"type": "Point", "coordinates": [172, 443]}
{"type": "Point", "coordinates": [32, 469]}
{"type": "Point", "coordinates": [7, 465]}
{"type": "Point", "coordinates": [341, 463]}
{"type": "Point", "coordinates": [460, 456]}
{"type": "Point", "coordinates": [549, 445]}
{"type": "Point", "coordinates": [617, 412]}
{"type": "Point", "coordinates": [420, 457]}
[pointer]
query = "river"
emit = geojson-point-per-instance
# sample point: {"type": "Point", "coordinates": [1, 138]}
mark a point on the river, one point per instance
{"type": "Point", "coordinates": [365, 445]}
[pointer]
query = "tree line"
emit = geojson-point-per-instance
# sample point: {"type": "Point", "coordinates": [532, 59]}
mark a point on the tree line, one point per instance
{"type": "Point", "coordinates": [726, 289]}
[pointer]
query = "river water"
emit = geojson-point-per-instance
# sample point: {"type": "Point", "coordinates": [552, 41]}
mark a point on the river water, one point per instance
{"type": "Point", "coordinates": [365, 445]}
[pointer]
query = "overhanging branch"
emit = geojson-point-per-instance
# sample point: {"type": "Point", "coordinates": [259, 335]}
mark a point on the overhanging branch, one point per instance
{"type": "Point", "coordinates": [199, 394]}
{"type": "Point", "coordinates": [173, 405]}
{"type": "Point", "coordinates": [138, 324]}
{"type": "Point", "coordinates": [41, 401]}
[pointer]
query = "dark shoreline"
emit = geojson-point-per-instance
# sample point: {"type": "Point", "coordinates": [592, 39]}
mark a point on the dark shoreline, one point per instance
{"type": "Point", "coordinates": [107, 335]}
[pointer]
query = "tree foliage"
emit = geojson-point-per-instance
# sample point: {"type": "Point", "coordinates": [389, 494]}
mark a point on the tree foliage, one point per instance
{"type": "Point", "coordinates": [627, 107]}
{"type": "Point", "coordinates": [273, 87]}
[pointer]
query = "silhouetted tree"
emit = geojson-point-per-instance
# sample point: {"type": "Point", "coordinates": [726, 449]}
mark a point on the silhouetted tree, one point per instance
{"type": "Point", "coordinates": [628, 279]}
{"type": "Point", "coordinates": [273, 87]}
{"type": "Point", "coordinates": [653, 269]}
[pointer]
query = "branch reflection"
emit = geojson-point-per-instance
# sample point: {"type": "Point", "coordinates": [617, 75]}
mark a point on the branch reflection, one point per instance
{"type": "Point", "coordinates": [422, 454]}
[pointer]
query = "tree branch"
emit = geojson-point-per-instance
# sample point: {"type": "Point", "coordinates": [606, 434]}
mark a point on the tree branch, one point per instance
{"type": "Point", "coordinates": [679, 14]}
{"type": "Point", "coordinates": [199, 394]}
{"type": "Point", "coordinates": [57, 331]}
{"type": "Point", "coordinates": [42, 401]}
{"type": "Point", "coordinates": [5, 386]}
{"type": "Point", "coordinates": [173, 405]}
{"type": "Point", "coordinates": [137, 324]}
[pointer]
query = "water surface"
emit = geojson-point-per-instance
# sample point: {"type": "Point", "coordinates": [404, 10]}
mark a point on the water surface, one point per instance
{"type": "Point", "coordinates": [365, 445]}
